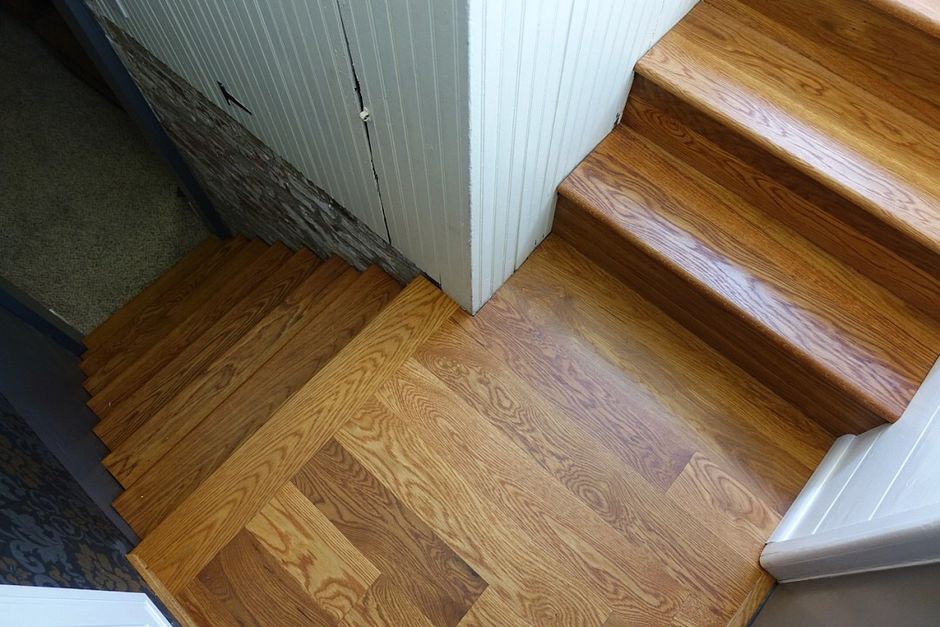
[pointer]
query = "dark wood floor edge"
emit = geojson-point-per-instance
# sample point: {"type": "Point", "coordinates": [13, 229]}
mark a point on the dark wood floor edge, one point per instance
{"type": "Point", "coordinates": [156, 585]}
{"type": "Point", "coordinates": [754, 601]}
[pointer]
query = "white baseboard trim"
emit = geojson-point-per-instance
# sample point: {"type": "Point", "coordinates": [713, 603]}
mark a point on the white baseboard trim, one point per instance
{"type": "Point", "coordinates": [55, 607]}
{"type": "Point", "coordinates": [871, 504]}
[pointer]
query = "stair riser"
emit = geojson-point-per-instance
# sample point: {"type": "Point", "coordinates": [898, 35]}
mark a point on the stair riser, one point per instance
{"type": "Point", "coordinates": [748, 345]}
{"type": "Point", "coordinates": [898, 51]}
{"type": "Point", "coordinates": [830, 220]}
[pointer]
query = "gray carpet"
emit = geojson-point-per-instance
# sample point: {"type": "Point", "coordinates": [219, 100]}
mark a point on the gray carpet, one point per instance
{"type": "Point", "coordinates": [88, 214]}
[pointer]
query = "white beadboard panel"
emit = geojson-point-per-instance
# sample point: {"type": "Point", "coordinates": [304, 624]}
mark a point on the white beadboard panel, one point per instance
{"type": "Point", "coordinates": [411, 60]}
{"type": "Point", "coordinates": [288, 62]}
{"type": "Point", "coordinates": [548, 80]}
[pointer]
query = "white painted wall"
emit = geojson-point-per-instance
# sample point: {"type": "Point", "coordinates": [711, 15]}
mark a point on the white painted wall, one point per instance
{"type": "Point", "coordinates": [873, 502]}
{"type": "Point", "coordinates": [288, 62]}
{"type": "Point", "coordinates": [548, 79]}
{"type": "Point", "coordinates": [479, 108]}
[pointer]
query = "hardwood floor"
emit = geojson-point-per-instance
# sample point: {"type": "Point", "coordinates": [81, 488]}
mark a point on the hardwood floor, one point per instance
{"type": "Point", "coordinates": [742, 270]}
{"type": "Point", "coordinates": [569, 456]}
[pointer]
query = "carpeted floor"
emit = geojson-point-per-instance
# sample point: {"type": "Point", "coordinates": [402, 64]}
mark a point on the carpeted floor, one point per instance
{"type": "Point", "coordinates": [88, 214]}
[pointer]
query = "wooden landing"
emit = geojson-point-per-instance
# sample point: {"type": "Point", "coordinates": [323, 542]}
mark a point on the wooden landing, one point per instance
{"type": "Point", "coordinates": [569, 456]}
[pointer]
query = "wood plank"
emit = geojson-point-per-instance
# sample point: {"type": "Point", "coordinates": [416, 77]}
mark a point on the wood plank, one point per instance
{"type": "Point", "coordinates": [760, 88]}
{"type": "Point", "coordinates": [173, 477]}
{"type": "Point", "coordinates": [772, 445]}
{"type": "Point", "coordinates": [150, 294]}
{"type": "Point", "coordinates": [412, 558]}
{"type": "Point", "coordinates": [191, 404]}
{"type": "Point", "coordinates": [489, 610]}
{"type": "Point", "coordinates": [307, 545]}
{"type": "Point", "coordinates": [173, 305]}
{"type": "Point", "coordinates": [754, 600]}
{"type": "Point", "coordinates": [110, 386]}
{"type": "Point", "coordinates": [628, 571]}
{"type": "Point", "coordinates": [921, 14]}
{"type": "Point", "coordinates": [532, 581]}
{"type": "Point", "coordinates": [384, 605]}
{"type": "Point", "coordinates": [213, 514]}
{"type": "Point", "coordinates": [683, 240]}
{"type": "Point", "coordinates": [204, 608]}
{"type": "Point", "coordinates": [620, 413]}
{"type": "Point", "coordinates": [783, 193]}
{"type": "Point", "coordinates": [125, 417]}
{"type": "Point", "coordinates": [856, 40]}
{"type": "Point", "coordinates": [256, 590]}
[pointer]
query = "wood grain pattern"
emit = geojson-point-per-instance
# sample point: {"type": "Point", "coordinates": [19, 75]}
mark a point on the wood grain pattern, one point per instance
{"type": "Point", "coordinates": [384, 605]}
{"type": "Point", "coordinates": [542, 590]}
{"type": "Point", "coordinates": [858, 41]}
{"type": "Point", "coordinates": [174, 420]}
{"type": "Point", "coordinates": [490, 609]}
{"type": "Point", "coordinates": [109, 388]}
{"type": "Point", "coordinates": [192, 460]}
{"type": "Point", "coordinates": [758, 87]}
{"type": "Point", "coordinates": [194, 533]}
{"type": "Point", "coordinates": [827, 219]}
{"type": "Point", "coordinates": [739, 420]}
{"type": "Point", "coordinates": [173, 305]}
{"type": "Point", "coordinates": [307, 545]}
{"type": "Point", "coordinates": [150, 294]}
{"type": "Point", "coordinates": [634, 576]}
{"type": "Point", "coordinates": [922, 14]}
{"type": "Point", "coordinates": [124, 418]}
{"type": "Point", "coordinates": [255, 589]}
{"type": "Point", "coordinates": [753, 602]}
{"type": "Point", "coordinates": [690, 238]}
{"type": "Point", "coordinates": [412, 558]}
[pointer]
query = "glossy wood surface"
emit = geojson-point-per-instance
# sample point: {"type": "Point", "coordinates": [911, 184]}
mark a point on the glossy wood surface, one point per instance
{"type": "Point", "coordinates": [172, 422]}
{"type": "Point", "coordinates": [833, 331]}
{"type": "Point", "coordinates": [172, 306]}
{"type": "Point", "coordinates": [121, 419]}
{"type": "Point", "coordinates": [150, 294]}
{"type": "Point", "coordinates": [109, 388]}
{"type": "Point", "coordinates": [193, 459]}
{"type": "Point", "coordinates": [571, 455]}
{"type": "Point", "coordinates": [879, 156]}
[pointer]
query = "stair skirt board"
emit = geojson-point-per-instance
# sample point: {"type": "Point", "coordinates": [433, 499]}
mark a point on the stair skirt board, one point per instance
{"type": "Point", "coordinates": [872, 503]}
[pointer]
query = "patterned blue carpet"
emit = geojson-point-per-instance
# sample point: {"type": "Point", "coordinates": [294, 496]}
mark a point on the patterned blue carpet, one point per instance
{"type": "Point", "coordinates": [51, 534]}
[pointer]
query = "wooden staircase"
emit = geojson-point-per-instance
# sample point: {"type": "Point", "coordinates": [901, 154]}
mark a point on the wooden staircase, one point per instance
{"type": "Point", "coordinates": [303, 443]}
{"type": "Point", "coordinates": [226, 372]}
{"type": "Point", "coordinates": [774, 187]}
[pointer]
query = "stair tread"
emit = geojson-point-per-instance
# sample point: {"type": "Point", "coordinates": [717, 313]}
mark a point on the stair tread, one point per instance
{"type": "Point", "coordinates": [123, 418]}
{"type": "Point", "coordinates": [923, 14]}
{"type": "Point", "coordinates": [149, 295]}
{"type": "Point", "coordinates": [801, 111]}
{"type": "Point", "coordinates": [858, 42]}
{"type": "Point", "coordinates": [174, 476]}
{"type": "Point", "coordinates": [110, 385]}
{"type": "Point", "coordinates": [159, 317]}
{"type": "Point", "coordinates": [209, 518]}
{"type": "Point", "coordinates": [165, 427]}
{"type": "Point", "coordinates": [854, 333]}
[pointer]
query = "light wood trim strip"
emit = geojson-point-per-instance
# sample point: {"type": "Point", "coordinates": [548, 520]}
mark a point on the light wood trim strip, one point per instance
{"type": "Point", "coordinates": [212, 515]}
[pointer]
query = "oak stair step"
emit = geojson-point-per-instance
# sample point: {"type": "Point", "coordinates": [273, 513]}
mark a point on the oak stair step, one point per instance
{"type": "Point", "coordinates": [110, 385]}
{"type": "Point", "coordinates": [869, 160]}
{"type": "Point", "coordinates": [155, 320]}
{"type": "Point", "coordinates": [150, 294]}
{"type": "Point", "coordinates": [120, 420]}
{"type": "Point", "coordinates": [847, 351]}
{"type": "Point", "coordinates": [921, 14]}
{"type": "Point", "coordinates": [213, 515]}
{"type": "Point", "coordinates": [353, 302]}
{"type": "Point", "coordinates": [167, 426]}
